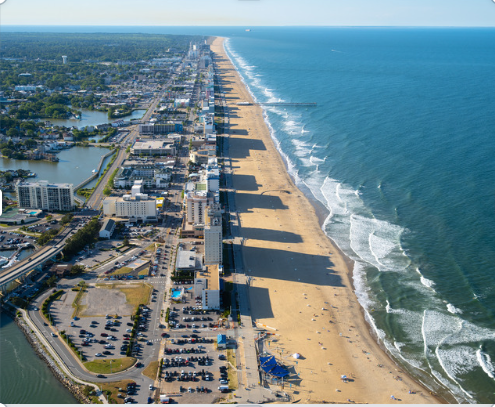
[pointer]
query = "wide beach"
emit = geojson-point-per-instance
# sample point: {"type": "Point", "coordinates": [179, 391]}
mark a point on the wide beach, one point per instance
{"type": "Point", "coordinates": [301, 284]}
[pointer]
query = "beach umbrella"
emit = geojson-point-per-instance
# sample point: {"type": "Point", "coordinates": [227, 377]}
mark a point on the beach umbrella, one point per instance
{"type": "Point", "coordinates": [296, 355]}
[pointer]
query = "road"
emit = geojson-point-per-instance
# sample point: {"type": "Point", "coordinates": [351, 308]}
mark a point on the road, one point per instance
{"type": "Point", "coordinates": [153, 333]}
{"type": "Point", "coordinates": [96, 199]}
{"type": "Point", "coordinates": [36, 259]}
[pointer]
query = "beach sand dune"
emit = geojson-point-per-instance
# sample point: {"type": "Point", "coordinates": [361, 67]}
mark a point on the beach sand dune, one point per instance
{"type": "Point", "coordinates": [300, 282]}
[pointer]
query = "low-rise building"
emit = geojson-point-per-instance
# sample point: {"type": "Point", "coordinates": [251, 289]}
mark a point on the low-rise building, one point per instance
{"type": "Point", "coordinates": [138, 208]}
{"type": "Point", "coordinates": [222, 341]}
{"type": "Point", "coordinates": [107, 229]}
{"type": "Point", "coordinates": [154, 147]}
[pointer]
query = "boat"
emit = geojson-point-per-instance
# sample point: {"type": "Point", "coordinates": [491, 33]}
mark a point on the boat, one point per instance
{"type": "Point", "coordinates": [94, 171]}
{"type": "Point", "coordinates": [3, 260]}
{"type": "Point", "coordinates": [248, 29]}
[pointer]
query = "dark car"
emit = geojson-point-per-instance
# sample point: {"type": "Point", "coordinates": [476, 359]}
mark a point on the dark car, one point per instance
{"type": "Point", "coordinates": [107, 352]}
{"type": "Point", "coordinates": [100, 376]}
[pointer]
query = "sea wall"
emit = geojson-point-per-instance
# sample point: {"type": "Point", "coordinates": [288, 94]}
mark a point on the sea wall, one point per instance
{"type": "Point", "coordinates": [97, 173]}
{"type": "Point", "coordinates": [74, 388]}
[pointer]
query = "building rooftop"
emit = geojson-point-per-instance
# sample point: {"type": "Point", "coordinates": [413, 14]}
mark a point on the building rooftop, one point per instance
{"type": "Point", "coordinates": [108, 225]}
{"type": "Point", "coordinates": [186, 260]}
{"type": "Point", "coordinates": [211, 275]}
{"type": "Point", "coordinates": [44, 183]}
{"type": "Point", "coordinates": [152, 144]}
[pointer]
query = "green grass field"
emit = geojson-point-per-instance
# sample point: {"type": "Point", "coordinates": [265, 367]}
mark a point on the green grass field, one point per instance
{"type": "Point", "coordinates": [110, 365]}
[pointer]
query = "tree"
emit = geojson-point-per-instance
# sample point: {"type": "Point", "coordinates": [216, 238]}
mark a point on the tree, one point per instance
{"type": "Point", "coordinates": [76, 269]}
{"type": "Point", "coordinates": [7, 152]}
{"type": "Point", "coordinates": [12, 133]}
{"type": "Point", "coordinates": [126, 241]}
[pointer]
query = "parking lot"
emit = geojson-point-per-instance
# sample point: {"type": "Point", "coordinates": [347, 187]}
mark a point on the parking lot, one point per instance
{"type": "Point", "coordinates": [11, 240]}
{"type": "Point", "coordinates": [103, 325]}
{"type": "Point", "coordinates": [192, 368]}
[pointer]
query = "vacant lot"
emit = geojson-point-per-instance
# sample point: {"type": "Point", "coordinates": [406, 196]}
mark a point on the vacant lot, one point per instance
{"type": "Point", "coordinates": [115, 299]}
{"type": "Point", "coordinates": [136, 293]}
{"type": "Point", "coordinates": [100, 301]}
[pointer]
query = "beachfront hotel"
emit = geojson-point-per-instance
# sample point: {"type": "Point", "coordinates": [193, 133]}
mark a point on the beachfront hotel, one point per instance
{"type": "Point", "coordinates": [213, 236]}
{"type": "Point", "coordinates": [44, 195]}
{"type": "Point", "coordinates": [207, 287]}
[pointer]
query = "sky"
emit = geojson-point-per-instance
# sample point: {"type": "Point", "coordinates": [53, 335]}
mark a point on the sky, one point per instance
{"type": "Point", "coordinates": [250, 12]}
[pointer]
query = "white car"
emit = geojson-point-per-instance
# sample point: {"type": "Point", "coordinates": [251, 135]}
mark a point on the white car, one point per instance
{"type": "Point", "coordinates": [98, 354]}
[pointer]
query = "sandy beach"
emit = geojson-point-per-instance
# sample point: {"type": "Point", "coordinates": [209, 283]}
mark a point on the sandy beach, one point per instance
{"type": "Point", "coordinates": [301, 284]}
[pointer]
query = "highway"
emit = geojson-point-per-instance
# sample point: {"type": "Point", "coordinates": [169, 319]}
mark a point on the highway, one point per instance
{"type": "Point", "coordinates": [23, 267]}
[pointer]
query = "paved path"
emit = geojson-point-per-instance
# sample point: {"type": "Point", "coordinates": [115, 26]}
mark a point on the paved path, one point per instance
{"type": "Point", "coordinates": [48, 346]}
{"type": "Point", "coordinates": [249, 390]}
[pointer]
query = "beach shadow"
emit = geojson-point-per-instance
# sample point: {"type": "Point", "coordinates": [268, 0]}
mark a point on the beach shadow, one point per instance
{"type": "Point", "coordinates": [287, 265]}
{"type": "Point", "coordinates": [242, 147]}
{"type": "Point", "coordinates": [239, 132]}
{"type": "Point", "coordinates": [263, 303]}
{"type": "Point", "coordinates": [253, 201]}
{"type": "Point", "coordinates": [271, 235]}
{"type": "Point", "coordinates": [246, 182]}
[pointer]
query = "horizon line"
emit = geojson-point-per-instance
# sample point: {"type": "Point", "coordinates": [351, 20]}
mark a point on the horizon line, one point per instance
{"type": "Point", "coordinates": [248, 26]}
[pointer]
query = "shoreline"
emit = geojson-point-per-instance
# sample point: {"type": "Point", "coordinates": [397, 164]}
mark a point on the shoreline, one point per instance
{"type": "Point", "coordinates": [39, 350]}
{"type": "Point", "coordinates": [252, 217]}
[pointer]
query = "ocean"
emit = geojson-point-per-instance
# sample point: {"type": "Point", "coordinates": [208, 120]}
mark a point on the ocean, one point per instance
{"type": "Point", "coordinates": [399, 150]}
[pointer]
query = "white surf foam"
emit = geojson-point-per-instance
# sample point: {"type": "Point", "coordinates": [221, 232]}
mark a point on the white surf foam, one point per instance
{"type": "Point", "coordinates": [485, 362]}
{"type": "Point", "coordinates": [453, 310]}
{"type": "Point", "coordinates": [370, 241]}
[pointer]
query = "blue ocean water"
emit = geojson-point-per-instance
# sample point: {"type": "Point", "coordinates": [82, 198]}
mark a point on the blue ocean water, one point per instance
{"type": "Point", "coordinates": [400, 151]}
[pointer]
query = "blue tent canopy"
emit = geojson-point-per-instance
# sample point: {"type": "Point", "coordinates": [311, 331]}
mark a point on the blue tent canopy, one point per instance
{"type": "Point", "coordinates": [268, 361]}
{"type": "Point", "coordinates": [267, 369]}
{"type": "Point", "coordinates": [279, 371]}
{"type": "Point", "coordinates": [269, 365]}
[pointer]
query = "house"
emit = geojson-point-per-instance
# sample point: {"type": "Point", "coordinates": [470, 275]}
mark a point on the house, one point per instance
{"type": "Point", "coordinates": [107, 229]}
{"type": "Point", "coordinates": [61, 270]}
{"type": "Point", "coordinates": [221, 341]}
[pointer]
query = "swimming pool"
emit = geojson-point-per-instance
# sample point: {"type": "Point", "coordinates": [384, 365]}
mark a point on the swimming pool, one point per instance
{"type": "Point", "coordinates": [176, 294]}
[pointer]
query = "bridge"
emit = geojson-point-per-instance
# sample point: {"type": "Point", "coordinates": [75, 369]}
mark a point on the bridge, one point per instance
{"type": "Point", "coordinates": [35, 261]}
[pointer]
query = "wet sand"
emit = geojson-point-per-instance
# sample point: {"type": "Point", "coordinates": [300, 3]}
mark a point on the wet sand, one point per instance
{"type": "Point", "coordinates": [301, 283]}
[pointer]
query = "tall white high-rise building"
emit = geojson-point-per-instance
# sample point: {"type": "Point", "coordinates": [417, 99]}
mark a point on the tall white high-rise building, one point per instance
{"type": "Point", "coordinates": [196, 203]}
{"type": "Point", "coordinates": [213, 236]}
{"type": "Point", "coordinates": [45, 196]}
{"type": "Point", "coordinates": [64, 59]}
